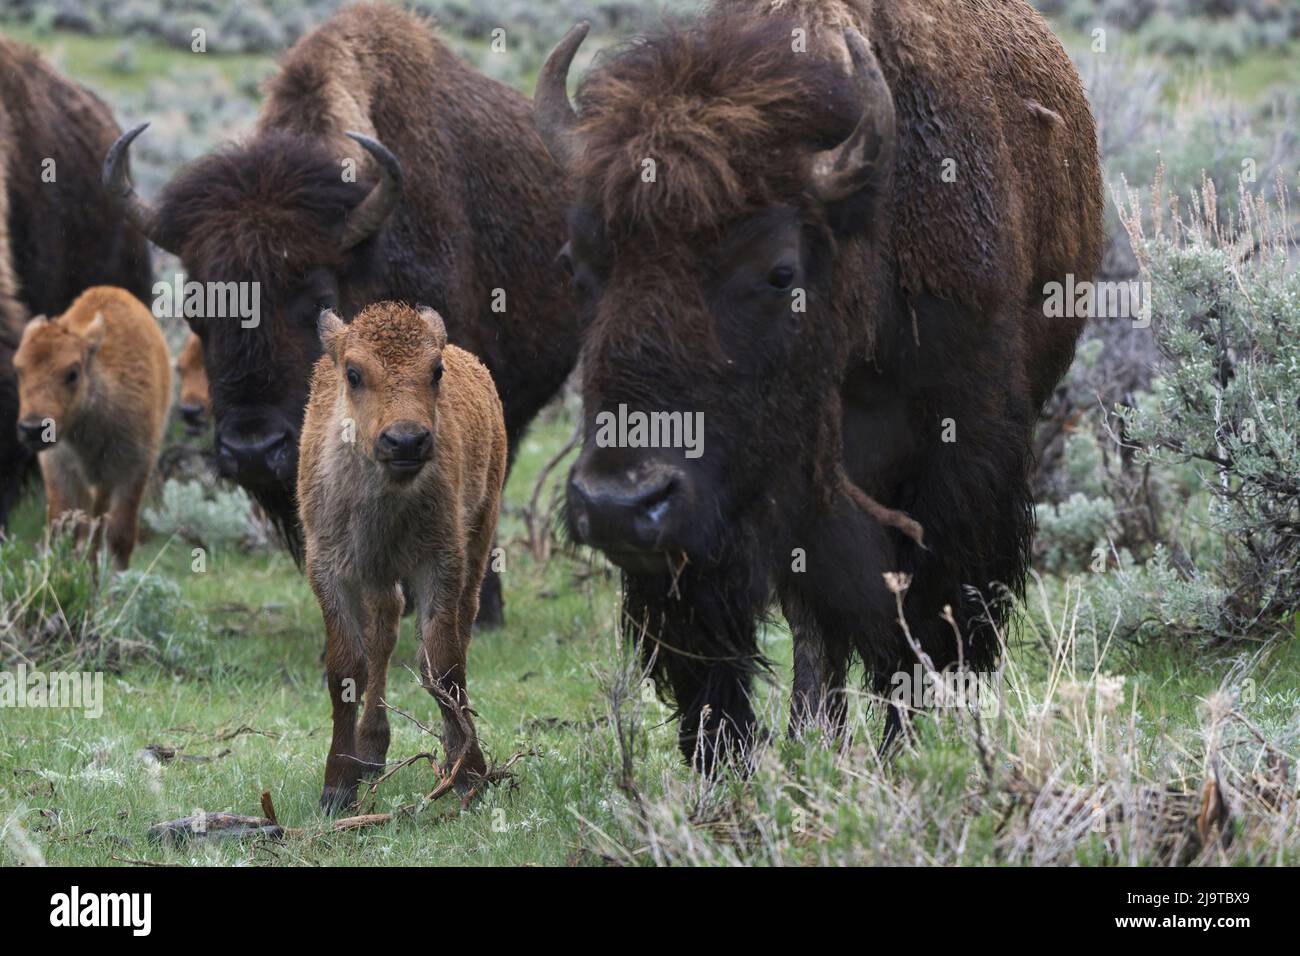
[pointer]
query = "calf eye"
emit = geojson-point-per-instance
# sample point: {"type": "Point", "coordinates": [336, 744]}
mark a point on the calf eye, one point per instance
{"type": "Point", "coordinates": [72, 376]}
{"type": "Point", "coordinates": [354, 378]}
{"type": "Point", "coordinates": [437, 373]}
{"type": "Point", "coordinates": [782, 277]}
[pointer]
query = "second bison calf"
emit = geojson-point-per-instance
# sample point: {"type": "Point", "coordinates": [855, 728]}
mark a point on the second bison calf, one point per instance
{"type": "Point", "coordinates": [402, 459]}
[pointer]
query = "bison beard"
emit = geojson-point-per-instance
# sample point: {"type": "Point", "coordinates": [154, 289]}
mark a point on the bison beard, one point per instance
{"type": "Point", "coordinates": [56, 238]}
{"type": "Point", "coordinates": [825, 432]}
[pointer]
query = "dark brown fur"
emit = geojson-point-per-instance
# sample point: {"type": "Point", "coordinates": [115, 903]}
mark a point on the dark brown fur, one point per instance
{"type": "Point", "coordinates": [56, 238]}
{"type": "Point", "coordinates": [924, 306]}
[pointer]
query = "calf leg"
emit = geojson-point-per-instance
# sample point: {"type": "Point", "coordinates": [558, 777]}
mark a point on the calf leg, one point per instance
{"type": "Point", "coordinates": [381, 638]}
{"type": "Point", "coordinates": [68, 498]}
{"type": "Point", "coordinates": [445, 641]}
{"type": "Point", "coordinates": [345, 675]}
{"type": "Point", "coordinates": [122, 522]}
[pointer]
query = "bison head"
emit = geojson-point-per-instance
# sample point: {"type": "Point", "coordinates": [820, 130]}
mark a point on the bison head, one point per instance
{"type": "Point", "coordinates": [387, 368]}
{"type": "Point", "coordinates": [279, 225]}
{"type": "Point", "coordinates": [726, 184]}
{"type": "Point", "coordinates": [53, 364]}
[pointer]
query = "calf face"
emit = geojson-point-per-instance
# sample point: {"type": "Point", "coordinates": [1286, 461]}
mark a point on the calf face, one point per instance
{"type": "Point", "coordinates": [52, 363]}
{"type": "Point", "coordinates": [390, 382]}
{"type": "Point", "coordinates": [194, 403]}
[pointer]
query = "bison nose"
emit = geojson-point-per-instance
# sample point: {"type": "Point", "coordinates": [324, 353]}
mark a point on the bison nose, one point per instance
{"type": "Point", "coordinates": [404, 446]}
{"type": "Point", "coordinates": [255, 457]}
{"type": "Point", "coordinates": [31, 433]}
{"type": "Point", "coordinates": [635, 514]}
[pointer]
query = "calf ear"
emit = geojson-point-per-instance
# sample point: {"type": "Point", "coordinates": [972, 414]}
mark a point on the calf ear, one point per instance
{"type": "Point", "coordinates": [436, 325]}
{"type": "Point", "coordinates": [34, 323]}
{"type": "Point", "coordinates": [94, 333]}
{"type": "Point", "coordinates": [330, 327]}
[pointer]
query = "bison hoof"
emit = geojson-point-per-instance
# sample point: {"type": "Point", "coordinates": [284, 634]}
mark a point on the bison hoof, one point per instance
{"type": "Point", "coordinates": [334, 799]}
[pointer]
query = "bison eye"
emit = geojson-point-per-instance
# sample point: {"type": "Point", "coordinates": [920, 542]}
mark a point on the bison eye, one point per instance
{"type": "Point", "coordinates": [73, 374]}
{"type": "Point", "coordinates": [354, 378]}
{"type": "Point", "coordinates": [782, 277]}
{"type": "Point", "coordinates": [437, 373]}
{"type": "Point", "coordinates": [565, 259]}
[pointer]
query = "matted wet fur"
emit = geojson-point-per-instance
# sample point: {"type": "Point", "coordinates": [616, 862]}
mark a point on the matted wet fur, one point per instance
{"type": "Point", "coordinates": [917, 370]}
{"type": "Point", "coordinates": [403, 459]}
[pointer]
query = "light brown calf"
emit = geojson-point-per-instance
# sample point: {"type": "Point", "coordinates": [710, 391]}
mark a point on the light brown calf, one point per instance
{"type": "Point", "coordinates": [403, 456]}
{"type": "Point", "coordinates": [193, 403]}
{"type": "Point", "coordinates": [94, 385]}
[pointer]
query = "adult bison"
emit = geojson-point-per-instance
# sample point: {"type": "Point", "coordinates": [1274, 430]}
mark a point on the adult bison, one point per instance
{"type": "Point", "coordinates": [59, 235]}
{"type": "Point", "coordinates": [826, 229]}
{"type": "Point", "coordinates": [457, 206]}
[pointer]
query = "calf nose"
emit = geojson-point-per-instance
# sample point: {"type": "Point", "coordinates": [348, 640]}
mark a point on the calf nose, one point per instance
{"type": "Point", "coordinates": [252, 456]}
{"type": "Point", "coordinates": [404, 441]}
{"type": "Point", "coordinates": [192, 414]}
{"type": "Point", "coordinates": [641, 513]}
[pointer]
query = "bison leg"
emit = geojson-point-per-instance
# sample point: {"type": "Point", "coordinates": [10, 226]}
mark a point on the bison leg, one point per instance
{"type": "Point", "coordinates": [820, 666]}
{"type": "Point", "coordinates": [491, 602]}
{"type": "Point", "coordinates": [67, 496]}
{"type": "Point", "coordinates": [381, 638]}
{"type": "Point", "coordinates": [446, 630]}
{"type": "Point", "coordinates": [345, 675]}
{"type": "Point", "coordinates": [835, 602]}
{"type": "Point", "coordinates": [699, 639]}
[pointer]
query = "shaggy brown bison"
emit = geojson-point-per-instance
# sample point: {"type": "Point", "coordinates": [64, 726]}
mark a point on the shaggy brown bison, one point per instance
{"type": "Point", "coordinates": [58, 233]}
{"type": "Point", "coordinates": [94, 385]}
{"type": "Point", "coordinates": [193, 402]}
{"type": "Point", "coordinates": [826, 230]}
{"type": "Point", "coordinates": [403, 458]}
{"type": "Point", "coordinates": [456, 205]}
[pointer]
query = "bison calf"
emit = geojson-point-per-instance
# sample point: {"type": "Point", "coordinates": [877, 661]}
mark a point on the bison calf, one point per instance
{"type": "Point", "coordinates": [402, 460]}
{"type": "Point", "coordinates": [193, 402]}
{"type": "Point", "coordinates": [93, 389]}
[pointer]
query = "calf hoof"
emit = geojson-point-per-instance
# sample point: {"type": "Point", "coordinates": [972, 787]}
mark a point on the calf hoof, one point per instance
{"type": "Point", "coordinates": [472, 771]}
{"type": "Point", "coordinates": [335, 799]}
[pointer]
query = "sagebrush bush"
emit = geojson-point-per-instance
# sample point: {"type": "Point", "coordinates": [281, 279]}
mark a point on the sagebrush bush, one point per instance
{"type": "Point", "coordinates": [1226, 314]}
{"type": "Point", "coordinates": [209, 516]}
{"type": "Point", "coordinates": [61, 610]}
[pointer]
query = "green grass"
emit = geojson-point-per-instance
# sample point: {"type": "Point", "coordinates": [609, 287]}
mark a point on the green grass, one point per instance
{"type": "Point", "coordinates": [98, 61]}
{"type": "Point", "coordinates": [84, 791]}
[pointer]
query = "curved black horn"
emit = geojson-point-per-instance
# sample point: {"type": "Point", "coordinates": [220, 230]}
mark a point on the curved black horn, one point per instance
{"type": "Point", "coordinates": [371, 213]}
{"type": "Point", "coordinates": [843, 171]}
{"type": "Point", "coordinates": [556, 120]}
{"type": "Point", "coordinates": [137, 212]}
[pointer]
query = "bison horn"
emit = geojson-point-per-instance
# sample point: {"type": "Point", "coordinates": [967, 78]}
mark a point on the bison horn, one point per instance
{"type": "Point", "coordinates": [556, 121]}
{"type": "Point", "coordinates": [845, 170]}
{"type": "Point", "coordinates": [120, 191]}
{"type": "Point", "coordinates": [371, 213]}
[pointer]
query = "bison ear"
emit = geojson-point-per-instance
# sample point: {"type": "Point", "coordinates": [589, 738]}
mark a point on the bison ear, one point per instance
{"type": "Point", "coordinates": [436, 325]}
{"type": "Point", "coordinates": [94, 333]}
{"type": "Point", "coordinates": [34, 323]}
{"type": "Point", "coordinates": [330, 327]}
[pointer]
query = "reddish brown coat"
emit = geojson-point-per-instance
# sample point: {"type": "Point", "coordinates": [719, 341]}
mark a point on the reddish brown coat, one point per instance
{"type": "Point", "coordinates": [402, 460]}
{"type": "Point", "coordinates": [94, 385]}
